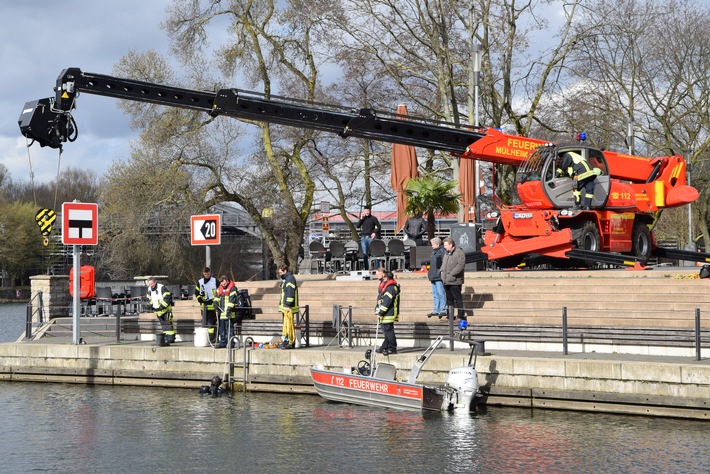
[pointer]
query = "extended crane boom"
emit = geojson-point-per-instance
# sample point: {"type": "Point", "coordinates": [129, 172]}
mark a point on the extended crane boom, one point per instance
{"type": "Point", "coordinates": [247, 105]}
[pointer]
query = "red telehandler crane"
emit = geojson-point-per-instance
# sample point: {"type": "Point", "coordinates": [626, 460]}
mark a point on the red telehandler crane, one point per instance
{"type": "Point", "coordinates": [615, 230]}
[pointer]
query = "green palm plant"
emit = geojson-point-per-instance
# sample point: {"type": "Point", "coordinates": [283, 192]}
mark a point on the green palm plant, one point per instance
{"type": "Point", "coordinates": [428, 195]}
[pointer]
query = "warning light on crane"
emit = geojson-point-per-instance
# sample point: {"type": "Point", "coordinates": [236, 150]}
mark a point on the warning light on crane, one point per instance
{"type": "Point", "coordinates": [581, 136]}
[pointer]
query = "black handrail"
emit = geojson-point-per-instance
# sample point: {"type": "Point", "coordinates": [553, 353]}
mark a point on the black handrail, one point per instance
{"type": "Point", "coordinates": [30, 314]}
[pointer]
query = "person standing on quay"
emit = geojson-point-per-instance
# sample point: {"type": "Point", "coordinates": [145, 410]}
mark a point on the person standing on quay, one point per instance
{"type": "Point", "coordinates": [369, 227]}
{"type": "Point", "coordinates": [288, 306]}
{"type": "Point", "coordinates": [387, 310]}
{"type": "Point", "coordinates": [206, 290]}
{"type": "Point", "coordinates": [227, 295]}
{"type": "Point", "coordinates": [161, 301]}
{"type": "Point", "coordinates": [437, 286]}
{"type": "Point", "coordinates": [452, 274]}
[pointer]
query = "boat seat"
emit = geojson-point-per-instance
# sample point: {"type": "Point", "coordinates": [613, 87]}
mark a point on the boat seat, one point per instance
{"type": "Point", "coordinates": [385, 371]}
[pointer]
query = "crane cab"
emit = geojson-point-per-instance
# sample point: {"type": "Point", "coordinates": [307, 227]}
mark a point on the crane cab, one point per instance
{"type": "Point", "coordinates": [540, 186]}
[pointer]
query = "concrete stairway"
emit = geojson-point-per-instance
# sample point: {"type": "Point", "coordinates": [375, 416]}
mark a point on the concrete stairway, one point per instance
{"type": "Point", "coordinates": [613, 298]}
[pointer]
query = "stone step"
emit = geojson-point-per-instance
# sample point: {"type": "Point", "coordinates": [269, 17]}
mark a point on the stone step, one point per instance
{"type": "Point", "coordinates": [615, 297]}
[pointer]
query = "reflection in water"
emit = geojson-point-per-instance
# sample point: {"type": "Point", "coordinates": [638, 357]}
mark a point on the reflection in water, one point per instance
{"type": "Point", "coordinates": [78, 428]}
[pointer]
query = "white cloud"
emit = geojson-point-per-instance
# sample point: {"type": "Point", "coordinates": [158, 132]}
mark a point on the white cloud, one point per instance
{"type": "Point", "coordinates": [40, 38]}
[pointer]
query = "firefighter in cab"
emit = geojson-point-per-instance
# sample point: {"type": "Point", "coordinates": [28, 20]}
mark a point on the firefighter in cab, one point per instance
{"type": "Point", "coordinates": [576, 167]}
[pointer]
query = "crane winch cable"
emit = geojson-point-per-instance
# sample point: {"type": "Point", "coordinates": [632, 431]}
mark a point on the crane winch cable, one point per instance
{"type": "Point", "coordinates": [45, 217]}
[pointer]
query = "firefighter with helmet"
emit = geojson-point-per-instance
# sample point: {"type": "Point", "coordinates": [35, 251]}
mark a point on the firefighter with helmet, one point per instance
{"type": "Point", "coordinates": [575, 166]}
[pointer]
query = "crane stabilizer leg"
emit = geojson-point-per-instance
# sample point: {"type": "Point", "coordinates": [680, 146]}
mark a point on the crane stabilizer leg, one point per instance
{"type": "Point", "coordinates": [676, 254]}
{"type": "Point", "coordinates": [556, 244]}
{"type": "Point", "coordinates": [422, 359]}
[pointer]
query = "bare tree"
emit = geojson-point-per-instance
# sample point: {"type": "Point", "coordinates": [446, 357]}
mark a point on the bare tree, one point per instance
{"type": "Point", "coordinates": [269, 46]}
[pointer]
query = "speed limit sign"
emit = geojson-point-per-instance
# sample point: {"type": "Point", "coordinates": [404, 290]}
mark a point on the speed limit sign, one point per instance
{"type": "Point", "coordinates": [205, 229]}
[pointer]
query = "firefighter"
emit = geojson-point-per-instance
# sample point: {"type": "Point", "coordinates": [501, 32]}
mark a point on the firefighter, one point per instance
{"type": "Point", "coordinates": [288, 306]}
{"type": "Point", "coordinates": [161, 300]}
{"type": "Point", "coordinates": [387, 309]}
{"type": "Point", "coordinates": [206, 289]}
{"type": "Point", "coordinates": [227, 297]}
{"type": "Point", "coordinates": [575, 166]}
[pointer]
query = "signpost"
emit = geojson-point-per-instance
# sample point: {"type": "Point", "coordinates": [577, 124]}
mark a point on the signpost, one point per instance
{"type": "Point", "coordinates": [206, 230]}
{"type": "Point", "coordinates": [80, 226]}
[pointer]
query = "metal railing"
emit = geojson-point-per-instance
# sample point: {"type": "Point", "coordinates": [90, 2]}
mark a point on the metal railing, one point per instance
{"type": "Point", "coordinates": [343, 325]}
{"type": "Point", "coordinates": [30, 314]}
{"type": "Point", "coordinates": [675, 330]}
{"type": "Point", "coordinates": [697, 332]}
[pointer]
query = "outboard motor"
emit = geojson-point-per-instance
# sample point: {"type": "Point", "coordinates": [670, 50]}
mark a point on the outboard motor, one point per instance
{"type": "Point", "coordinates": [464, 381]}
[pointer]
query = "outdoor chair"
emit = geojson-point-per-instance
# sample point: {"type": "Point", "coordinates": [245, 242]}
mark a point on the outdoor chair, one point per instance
{"type": "Point", "coordinates": [337, 256]}
{"type": "Point", "coordinates": [318, 256]}
{"type": "Point", "coordinates": [138, 293]}
{"type": "Point", "coordinates": [395, 248]}
{"type": "Point", "coordinates": [378, 253]}
{"type": "Point", "coordinates": [104, 300]}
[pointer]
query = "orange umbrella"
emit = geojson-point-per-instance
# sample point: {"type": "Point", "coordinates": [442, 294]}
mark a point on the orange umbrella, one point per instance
{"type": "Point", "coordinates": [404, 166]}
{"type": "Point", "coordinates": [467, 188]}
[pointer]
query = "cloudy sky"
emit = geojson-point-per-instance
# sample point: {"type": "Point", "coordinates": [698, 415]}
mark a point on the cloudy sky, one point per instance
{"type": "Point", "coordinates": [40, 38]}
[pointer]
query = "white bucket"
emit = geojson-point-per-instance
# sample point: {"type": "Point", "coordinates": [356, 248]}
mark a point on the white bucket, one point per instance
{"type": "Point", "coordinates": [298, 336]}
{"type": "Point", "coordinates": [202, 337]}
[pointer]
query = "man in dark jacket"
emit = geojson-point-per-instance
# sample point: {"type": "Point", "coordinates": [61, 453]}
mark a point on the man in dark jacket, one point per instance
{"type": "Point", "coordinates": [437, 286]}
{"type": "Point", "coordinates": [452, 274]}
{"type": "Point", "coordinates": [415, 228]}
{"type": "Point", "coordinates": [369, 229]}
{"type": "Point", "coordinates": [387, 310]}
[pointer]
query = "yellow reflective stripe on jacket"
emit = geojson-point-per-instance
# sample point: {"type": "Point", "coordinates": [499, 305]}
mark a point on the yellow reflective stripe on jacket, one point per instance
{"type": "Point", "coordinates": [389, 305]}
{"type": "Point", "coordinates": [157, 299]}
{"type": "Point", "coordinates": [289, 294]}
{"type": "Point", "coordinates": [578, 160]}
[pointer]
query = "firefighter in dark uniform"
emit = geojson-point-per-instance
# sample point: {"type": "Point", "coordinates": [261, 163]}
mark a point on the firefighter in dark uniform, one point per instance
{"type": "Point", "coordinates": [161, 300]}
{"type": "Point", "coordinates": [387, 309]}
{"type": "Point", "coordinates": [227, 296]}
{"type": "Point", "coordinates": [206, 289]}
{"type": "Point", "coordinates": [575, 166]}
{"type": "Point", "coordinates": [288, 306]}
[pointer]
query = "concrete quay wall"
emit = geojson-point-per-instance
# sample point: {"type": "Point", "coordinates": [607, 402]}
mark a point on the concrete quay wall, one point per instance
{"type": "Point", "coordinates": [644, 386]}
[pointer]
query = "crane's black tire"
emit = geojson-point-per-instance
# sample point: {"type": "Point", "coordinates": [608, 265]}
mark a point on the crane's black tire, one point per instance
{"type": "Point", "coordinates": [641, 243]}
{"type": "Point", "coordinates": [589, 237]}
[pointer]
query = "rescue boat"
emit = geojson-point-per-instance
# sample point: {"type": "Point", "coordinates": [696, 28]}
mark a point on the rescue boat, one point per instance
{"type": "Point", "coordinates": [375, 384]}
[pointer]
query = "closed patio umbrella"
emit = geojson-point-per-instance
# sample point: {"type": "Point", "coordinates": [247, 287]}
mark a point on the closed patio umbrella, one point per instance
{"type": "Point", "coordinates": [404, 167]}
{"type": "Point", "coordinates": [467, 189]}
